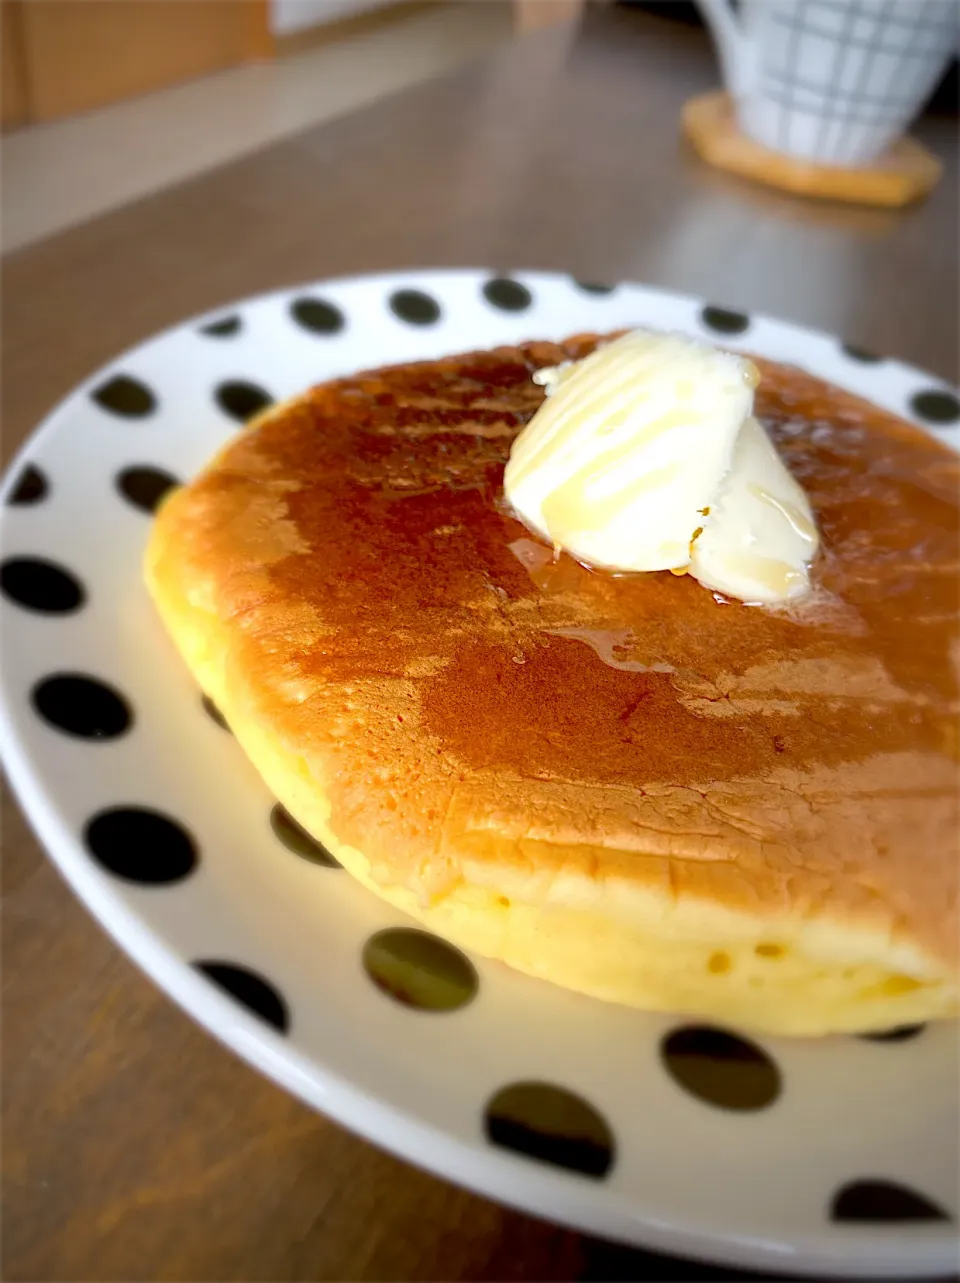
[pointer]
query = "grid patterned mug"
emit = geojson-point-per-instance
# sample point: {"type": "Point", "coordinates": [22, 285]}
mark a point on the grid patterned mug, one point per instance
{"type": "Point", "coordinates": [832, 81]}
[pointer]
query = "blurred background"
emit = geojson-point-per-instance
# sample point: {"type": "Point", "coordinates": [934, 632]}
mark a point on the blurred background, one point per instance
{"type": "Point", "coordinates": [101, 98]}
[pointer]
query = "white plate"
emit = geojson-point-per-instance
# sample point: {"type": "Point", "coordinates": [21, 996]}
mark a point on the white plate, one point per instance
{"type": "Point", "coordinates": [750, 1186]}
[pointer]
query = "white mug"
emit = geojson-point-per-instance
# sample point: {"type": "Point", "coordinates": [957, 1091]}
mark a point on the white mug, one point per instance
{"type": "Point", "coordinates": [832, 81]}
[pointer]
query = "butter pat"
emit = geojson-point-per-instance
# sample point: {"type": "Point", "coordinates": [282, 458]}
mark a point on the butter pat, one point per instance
{"type": "Point", "coordinates": [646, 456]}
{"type": "Point", "coordinates": [760, 536]}
{"type": "Point", "coordinates": [622, 460]}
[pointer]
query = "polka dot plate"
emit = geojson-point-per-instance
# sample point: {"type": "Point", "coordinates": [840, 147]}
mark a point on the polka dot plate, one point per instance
{"type": "Point", "coordinates": [831, 1156]}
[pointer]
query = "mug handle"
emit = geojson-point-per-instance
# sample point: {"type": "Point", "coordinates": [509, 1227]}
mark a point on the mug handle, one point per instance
{"type": "Point", "coordinates": [733, 46]}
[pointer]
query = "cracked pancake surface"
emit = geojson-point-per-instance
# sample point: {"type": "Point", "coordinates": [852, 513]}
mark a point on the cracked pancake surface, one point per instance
{"type": "Point", "coordinates": [620, 783]}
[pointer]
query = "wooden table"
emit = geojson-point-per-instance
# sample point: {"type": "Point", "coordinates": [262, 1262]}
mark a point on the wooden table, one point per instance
{"type": "Point", "coordinates": [135, 1147]}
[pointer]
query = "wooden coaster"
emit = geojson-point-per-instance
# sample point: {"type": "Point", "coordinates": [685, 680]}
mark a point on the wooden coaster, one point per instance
{"type": "Point", "coordinates": [907, 172]}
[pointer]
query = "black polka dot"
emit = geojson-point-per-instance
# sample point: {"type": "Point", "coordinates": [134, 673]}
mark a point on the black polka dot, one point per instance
{"type": "Point", "coordinates": [225, 328]}
{"type": "Point", "coordinates": [37, 584]}
{"type": "Point", "coordinates": [507, 294]}
{"type": "Point", "coordinates": [861, 354]}
{"type": "Point", "coordinates": [252, 991]}
{"type": "Point", "coordinates": [419, 969]}
{"type": "Point", "coordinates": [140, 845]}
{"type": "Point", "coordinates": [214, 712]}
{"type": "Point", "coordinates": [549, 1123]}
{"type": "Point", "coordinates": [936, 406]}
{"type": "Point", "coordinates": [127, 397]}
{"type": "Point", "coordinates": [296, 839]}
{"type": "Point", "coordinates": [241, 400]}
{"type": "Point", "coordinates": [903, 1033]}
{"type": "Point", "coordinates": [317, 315]}
{"type": "Point", "coordinates": [721, 1068]}
{"type": "Point", "coordinates": [594, 287]}
{"type": "Point", "coordinates": [144, 487]}
{"type": "Point", "coordinates": [31, 486]}
{"type": "Point", "coordinates": [415, 307]}
{"type": "Point", "coordinates": [82, 706]}
{"type": "Point", "coordinates": [724, 321]}
{"type": "Point", "coordinates": [878, 1200]}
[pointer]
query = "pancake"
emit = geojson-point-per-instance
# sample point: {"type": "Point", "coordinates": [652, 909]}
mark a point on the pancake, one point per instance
{"type": "Point", "coordinates": [625, 785]}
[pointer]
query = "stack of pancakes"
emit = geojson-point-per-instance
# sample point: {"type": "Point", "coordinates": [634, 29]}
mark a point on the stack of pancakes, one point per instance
{"type": "Point", "coordinates": [623, 784]}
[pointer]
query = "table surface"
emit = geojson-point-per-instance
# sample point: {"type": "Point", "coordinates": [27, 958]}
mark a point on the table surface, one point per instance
{"type": "Point", "coordinates": [134, 1147]}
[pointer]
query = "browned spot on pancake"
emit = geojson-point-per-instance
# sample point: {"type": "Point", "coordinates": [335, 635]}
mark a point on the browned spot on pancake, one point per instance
{"type": "Point", "coordinates": [400, 474]}
{"type": "Point", "coordinates": [417, 559]}
{"type": "Point", "coordinates": [583, 720]}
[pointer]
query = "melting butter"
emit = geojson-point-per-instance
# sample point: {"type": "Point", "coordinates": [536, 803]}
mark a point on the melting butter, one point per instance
{"type": "Point", "coordinates": [646, 456]}
{"type": "Point", "coordinates": [760, 537]}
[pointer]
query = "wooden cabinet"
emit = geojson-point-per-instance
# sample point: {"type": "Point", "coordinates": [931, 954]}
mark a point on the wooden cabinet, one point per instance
{"type": "Point", "coordinates": [13, 100]}
{"type": "Point", "coordinates": [65, 56]}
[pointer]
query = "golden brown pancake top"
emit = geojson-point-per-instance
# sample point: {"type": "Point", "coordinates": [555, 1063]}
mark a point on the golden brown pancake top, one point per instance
{"type": "Point", "coordinates": [462, 678]}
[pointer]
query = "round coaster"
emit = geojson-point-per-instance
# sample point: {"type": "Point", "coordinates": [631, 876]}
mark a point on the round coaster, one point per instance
{"type": "Point", "coordinates": [907, 172]}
